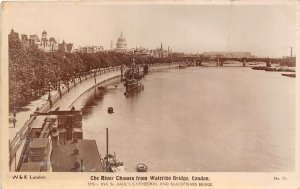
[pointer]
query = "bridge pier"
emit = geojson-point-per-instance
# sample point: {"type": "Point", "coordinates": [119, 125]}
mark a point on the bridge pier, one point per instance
{"type": "Point", "coordinates": [221, 63]}
{"type": "Point", "coordinates": [244, 63]}
{"type": "Point", "coordinates": [218, 63]}
{"type": "Point", "coordinates": [269, 64]}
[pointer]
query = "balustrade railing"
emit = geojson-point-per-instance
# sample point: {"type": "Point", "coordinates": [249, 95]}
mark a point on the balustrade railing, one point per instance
{"type": "Point", "coordinates": [21, 134]}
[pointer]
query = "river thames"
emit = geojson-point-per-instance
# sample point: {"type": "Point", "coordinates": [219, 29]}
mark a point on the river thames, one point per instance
{"type": "Point", "coordinates": [198, 119]}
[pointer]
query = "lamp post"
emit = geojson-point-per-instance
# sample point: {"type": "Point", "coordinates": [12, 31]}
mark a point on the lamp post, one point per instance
{"type": "Point", "coordinates": [49, 85]}
{"type": "Point", "coordinates": [14, 117]}
{"type": "Point", "coordinates": [80, 75]}
{"type": "Point", "coordinates": [59, 90]}
{"type": "Point", "coordinates": [67, 82]}
{"type": "Point", "coordinates": [49, 94]}
{"type": "Point", "coordinates": [73, 78]}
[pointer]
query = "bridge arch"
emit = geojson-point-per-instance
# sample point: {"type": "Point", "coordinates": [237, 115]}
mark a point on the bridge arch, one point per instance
{"type": "Point", "coordinates": [220, 61]}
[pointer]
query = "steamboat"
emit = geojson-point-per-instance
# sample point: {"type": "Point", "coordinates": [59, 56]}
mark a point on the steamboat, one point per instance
{"type": "Point", "coordinates": [132, 79]}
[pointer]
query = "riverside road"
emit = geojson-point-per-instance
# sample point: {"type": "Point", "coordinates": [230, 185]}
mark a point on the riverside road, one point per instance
{"type": "Point", "coordinates": [25, 119]}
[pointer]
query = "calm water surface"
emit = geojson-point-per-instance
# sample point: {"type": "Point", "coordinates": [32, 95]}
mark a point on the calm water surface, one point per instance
{"type": "Point", "coordinates": [198, 119]}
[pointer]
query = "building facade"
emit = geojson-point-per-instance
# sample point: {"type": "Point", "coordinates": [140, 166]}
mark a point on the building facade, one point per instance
{"type": "Point", "coordinates": [13, 39]}
{"type": "Point", "coordinates": [89, 49]}
{"type": "Point", "coordinates": [160, 52]}
{"type": "Point", "coordinates": [48, 45]}
{"type": "Point", "coordinates": [65, 47]}
{"type": "Point", "coordinates": [45, 44]}
{"type": "Point", "coordinates": [156, 53]}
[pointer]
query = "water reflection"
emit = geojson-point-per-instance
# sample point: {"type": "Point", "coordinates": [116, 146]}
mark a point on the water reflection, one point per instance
{"type": "Point", "coordinates": [198, 119]}
{"type": "Point", "coordinates": [92, 100]}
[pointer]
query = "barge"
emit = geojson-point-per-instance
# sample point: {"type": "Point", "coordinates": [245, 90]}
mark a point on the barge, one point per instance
{"type": "Point", "coordinates": [55, 143]}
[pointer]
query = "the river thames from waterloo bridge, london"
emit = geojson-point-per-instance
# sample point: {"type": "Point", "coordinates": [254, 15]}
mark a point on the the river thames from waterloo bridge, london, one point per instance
{"type": "Point", "coordinates": [198, 119]}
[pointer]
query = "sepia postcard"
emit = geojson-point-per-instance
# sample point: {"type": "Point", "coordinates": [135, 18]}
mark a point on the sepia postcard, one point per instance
{"type": "Point", "coordinates": [149, 94]}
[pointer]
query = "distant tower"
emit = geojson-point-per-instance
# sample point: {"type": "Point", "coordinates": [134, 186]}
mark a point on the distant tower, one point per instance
{"type": "Point", "coordinates": [44, 35]}
{"type": "Point", "coordinates": [161, 55]}
{"type": "Point", "coordinates": [44, 39]}
{"type": "Point", "coordinates": [291, 52]}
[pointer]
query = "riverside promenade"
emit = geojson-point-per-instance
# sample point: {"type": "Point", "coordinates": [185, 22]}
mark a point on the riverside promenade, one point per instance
{"type": "Point", "coordinates": [26, 118]}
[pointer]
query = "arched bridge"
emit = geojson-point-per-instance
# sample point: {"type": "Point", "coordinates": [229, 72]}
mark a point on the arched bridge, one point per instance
{"type": "Point", "coordinates": [221, 60]}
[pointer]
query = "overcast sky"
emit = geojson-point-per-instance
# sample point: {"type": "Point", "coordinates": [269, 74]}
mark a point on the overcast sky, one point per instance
{"type": "Point", "coordinates": [264, 30]}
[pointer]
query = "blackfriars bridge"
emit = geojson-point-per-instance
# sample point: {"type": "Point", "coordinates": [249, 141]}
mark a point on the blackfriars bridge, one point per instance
{"type": "Point", "coordinates": [221, 60]}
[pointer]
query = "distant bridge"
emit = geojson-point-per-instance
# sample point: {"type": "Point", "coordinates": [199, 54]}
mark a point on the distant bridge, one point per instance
{"type": "Point", "coordinates": [221, 60]}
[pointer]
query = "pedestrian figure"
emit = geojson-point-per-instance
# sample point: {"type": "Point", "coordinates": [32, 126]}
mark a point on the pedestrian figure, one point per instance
{"type": "Point", "coordinates": [50, 102]}
{"type": "Point", "coordinates": [14, 122]}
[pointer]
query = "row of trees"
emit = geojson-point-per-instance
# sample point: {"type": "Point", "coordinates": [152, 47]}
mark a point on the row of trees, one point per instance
{"type": "Point", "coordinates": [31, 71]}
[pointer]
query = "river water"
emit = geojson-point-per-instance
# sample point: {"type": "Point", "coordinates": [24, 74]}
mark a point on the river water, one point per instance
{"type": "Point", "coordinates": [198, 119]}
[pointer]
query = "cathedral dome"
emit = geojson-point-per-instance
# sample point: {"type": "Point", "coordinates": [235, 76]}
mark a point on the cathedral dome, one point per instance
{"type": "Point", "coordinates": [121, 42]}
{"type": "Point", "coordinates": [121, 39]}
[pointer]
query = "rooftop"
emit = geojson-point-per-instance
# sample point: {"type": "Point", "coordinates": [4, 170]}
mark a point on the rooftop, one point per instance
{"type": "Point", "coordinates": [39, 143]}
{"type": "Point", "coordinates": [52, 39]}
{"type": "Point", "coordinates": [63, 157]}
{"type": "Point", "coordinates": [31, 167]}
{"type": "Point", "coordinates": [38, 122]}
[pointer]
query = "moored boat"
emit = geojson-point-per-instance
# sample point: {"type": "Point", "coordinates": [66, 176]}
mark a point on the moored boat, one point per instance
{"type": "Point", "coordinates": [141, 167]}
{"type": "Point", "coordinates": [182, 66]}
{"type": "Point", "coordinates": [289, 75]}
{"type": "Point", "coordinates": [133, 79]}
{"type": "Point", "coordinates": [111, 164]}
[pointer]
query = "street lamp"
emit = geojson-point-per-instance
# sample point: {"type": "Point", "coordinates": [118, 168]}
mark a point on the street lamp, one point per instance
{"type": "Point", "coordinates": [80, 75]}
{"type": "Point", "coordinates": [95, 78]}
{"type": "Point", "coordinates": [67, 82]}
{"type": "Point", "coordinates": [49, 95]}
{"type": "Point", "coordinates": [73, 78]}
{"type": "Point", "coordinates": [14, 118]}
{"type": "Point", "coordinates": [49, 85]}
{"type": "Point", "coordinates": [59, 90]}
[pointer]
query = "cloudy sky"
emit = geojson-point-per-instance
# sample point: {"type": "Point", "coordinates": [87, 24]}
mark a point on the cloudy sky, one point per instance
{"type": "Point", "coordinates": [264, 30]}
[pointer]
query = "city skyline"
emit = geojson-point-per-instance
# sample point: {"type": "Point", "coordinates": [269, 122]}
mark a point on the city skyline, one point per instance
{"type": "Point", "coordinates": [263, 30]}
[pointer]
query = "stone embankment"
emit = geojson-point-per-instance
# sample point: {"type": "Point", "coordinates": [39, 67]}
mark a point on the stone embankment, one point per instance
{"type": "Point", "coordinates": [64, 99]}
